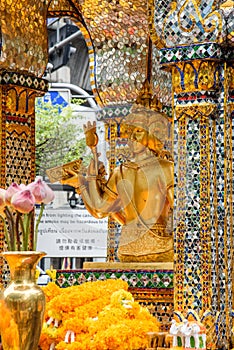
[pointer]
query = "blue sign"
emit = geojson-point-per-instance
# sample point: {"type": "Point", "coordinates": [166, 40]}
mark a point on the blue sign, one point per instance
{"type": "Point", "coordinates": [55, 98]}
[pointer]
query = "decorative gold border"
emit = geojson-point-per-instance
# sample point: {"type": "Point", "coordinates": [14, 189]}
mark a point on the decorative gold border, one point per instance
{"type": "Point", "coordinates": [227, 197]}
{"type": "Point", "coordinates": [231, 108]}
{"type": "Point", "coordinates": [181, 228]}
{"type": "Point", "coordinates": [2, 174]}
{"type": "Point", "coordinates": [2, 136]}
{"type": "Point", "coordinates": [205, 212]}
{"type": "Point", "coordinates": [215, 205]}
{"type": "Point", "coordinates": [111, 222]}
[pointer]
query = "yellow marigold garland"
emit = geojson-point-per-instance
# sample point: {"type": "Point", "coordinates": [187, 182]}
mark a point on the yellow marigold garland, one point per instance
{"type": "Point", "coordinates": [99, 315]}
{"type": "Point", "coordinates": [51, 290]}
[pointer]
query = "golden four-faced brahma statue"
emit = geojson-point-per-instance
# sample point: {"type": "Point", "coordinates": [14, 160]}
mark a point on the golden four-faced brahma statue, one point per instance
{"type": "Point", "coordinates": [138, 194]}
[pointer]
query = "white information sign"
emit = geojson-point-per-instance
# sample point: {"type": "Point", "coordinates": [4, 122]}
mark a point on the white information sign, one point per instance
{"type": "Point", "coordinates": [72, 233]}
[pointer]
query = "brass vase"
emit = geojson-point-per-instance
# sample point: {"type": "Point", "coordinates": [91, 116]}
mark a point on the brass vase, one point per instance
{"type": "Point", "coordinates": [22, 304]}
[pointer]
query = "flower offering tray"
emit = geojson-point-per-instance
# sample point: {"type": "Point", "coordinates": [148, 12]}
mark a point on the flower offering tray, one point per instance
{"type": "Point", "coordinates": [150, 283]}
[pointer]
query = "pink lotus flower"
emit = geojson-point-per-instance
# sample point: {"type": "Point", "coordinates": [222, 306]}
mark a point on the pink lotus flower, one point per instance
{"type": "Point", "coordinates": [23, 201]}
{"type": "Point", "coordinates": [38, 190]}
{"type": "Point", "coordinates": [12, 189]}
{"type": "Point", "coordinates": [41, 191]}
{"type": "Point", "coordinates": [17, 204]}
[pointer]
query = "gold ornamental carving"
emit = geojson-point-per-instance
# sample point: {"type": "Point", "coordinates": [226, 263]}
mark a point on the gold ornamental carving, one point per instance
{"type": "Point", "coordinates": [195, 111]}
{"type": "Point", "coordinates": [195, 76]}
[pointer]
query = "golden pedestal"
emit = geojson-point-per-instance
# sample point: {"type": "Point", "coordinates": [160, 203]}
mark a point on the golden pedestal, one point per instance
{"type": "Point", "coordinates": [128, 266]}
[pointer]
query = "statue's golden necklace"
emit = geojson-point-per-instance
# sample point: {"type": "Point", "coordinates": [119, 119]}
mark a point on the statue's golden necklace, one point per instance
{"type": "Point", "coordinates": [141, 163]}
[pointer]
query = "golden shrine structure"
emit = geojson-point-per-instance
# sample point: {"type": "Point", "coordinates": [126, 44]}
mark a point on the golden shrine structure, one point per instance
{"type": "Point", "coordinates": [178, 55]}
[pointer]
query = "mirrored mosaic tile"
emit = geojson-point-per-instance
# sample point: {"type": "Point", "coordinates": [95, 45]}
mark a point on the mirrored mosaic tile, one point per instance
{"type": "Point", "coordinates": [178, 26]}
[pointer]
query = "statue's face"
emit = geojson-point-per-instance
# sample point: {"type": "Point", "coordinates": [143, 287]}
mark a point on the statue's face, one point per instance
{"type": "Point", "coordinates": [138, 139]}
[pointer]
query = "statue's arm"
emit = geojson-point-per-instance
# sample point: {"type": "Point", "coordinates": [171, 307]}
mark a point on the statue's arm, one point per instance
{"type": "Point", "coordinates": [83, 191]}
{"type": "Point", "coordinates": [170, 186]}
{"type": "Point", "coordinates": [99, 199]}
{"type": "Point", "coordinates": [103, 197]}
{"type": "Point", "coordinates": [102, 205]}
{"type": "Point", "coordinates": [170, 195]}
{"type": "Point", "coordinates": [170, 183]}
